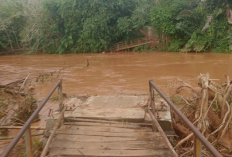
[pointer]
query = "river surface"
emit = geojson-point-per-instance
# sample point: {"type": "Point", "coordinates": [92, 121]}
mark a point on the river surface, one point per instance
{"type": "Point", "coordinates": [111, 73]}
{"type": "Point", "coordinates": [114, 73]}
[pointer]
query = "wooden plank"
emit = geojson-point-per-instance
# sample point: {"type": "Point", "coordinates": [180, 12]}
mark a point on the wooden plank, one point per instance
{"type": "Point", "coordinates": [109, 153]}
{"type": "Point", "coordinates": [119, 119]}
{"type": "Point", "coordinates": [119, 114]}
{"type": "Point", "coordinates": [102, 139]}
{"type": "Point", "coordinates": [105, 121]}
{"type": "Point", "coordinates": [104, 134]}
{"type": "Point", "coordinates": [126, 145]}
{"type": "Point", "coordinates": [123, 125]}
{"type": "Point", "coordinates": [103, 129]}
{"type": "Point", "coordinates": [91, 121]}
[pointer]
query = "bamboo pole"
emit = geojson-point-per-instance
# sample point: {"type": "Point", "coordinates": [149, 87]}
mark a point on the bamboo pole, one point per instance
{"type": "Point", "coordinates": [20, 127]}
{"type": "Point", "coordinates": [11, 137]}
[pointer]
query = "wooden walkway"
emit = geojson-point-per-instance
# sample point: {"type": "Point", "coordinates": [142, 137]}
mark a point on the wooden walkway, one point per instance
{"type": "Point", "coordinates": [107, 126]}
{"type": "Point", "coordinates": [133, 43]}
{"type": "Point", "coordinates": [107, 138]}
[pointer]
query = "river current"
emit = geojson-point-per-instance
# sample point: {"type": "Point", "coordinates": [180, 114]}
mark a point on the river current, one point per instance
{"type": "Point", "coordinates": [114, 73]}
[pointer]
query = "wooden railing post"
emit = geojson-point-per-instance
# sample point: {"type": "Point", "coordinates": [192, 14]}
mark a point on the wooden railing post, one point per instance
{"type": "Point", "coordinates": [28, 142]}
{"type": "Point", "coordinates": [152, 96]}
{"type": "Point", "coordinates": [197, 147]}
{"type": "Point", "coordinates": [57, 126]}
{"type": "Point", "coordinates": [152, 104]}
{"type": "Point", "coordinates": [61, 105]}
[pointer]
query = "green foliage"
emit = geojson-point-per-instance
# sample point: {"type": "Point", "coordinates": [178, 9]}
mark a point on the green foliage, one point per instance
{"type": "Point", "coordinates": [214, 38]}
{"type": "Point", "coordinates": [163, 17]}
{"type": "Point", "coordinates": [61, 26]}
{"type": "Point", "coordinates": [93, 26]}
{"type": "Point", "coordinates": [1, 45]}
{"type": "Point", "coordinates": [194, 25]}
{"type": "Point", "coordinates": [11, 22]}
{"type": "Point", "coordinates": [142, 48]}
{"type": "Point", "coordinates": [175, 45]}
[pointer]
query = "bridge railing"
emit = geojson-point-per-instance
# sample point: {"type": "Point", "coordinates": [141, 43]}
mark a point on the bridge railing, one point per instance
{"type": "Point", "coordinates": [199, 138]}
{"type": "Point", "coordinates": [26, 127]}
{"type": "Point", "coordinates": [132, 43]}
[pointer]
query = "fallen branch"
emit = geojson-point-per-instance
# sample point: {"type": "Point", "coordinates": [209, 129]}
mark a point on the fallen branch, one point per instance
{"type": "Point", "coordinates": [222, 124]}
{"type": "Point", "coordinates": [187, 103]}
{"type": "Point", "coordinates": [227, 123]}
{"type": "Point", "coordinates": [210, 106]}
{"type": "Point", "coordinates": [228, 90]}
{"type": "Point", "coordinates": [184, 140]}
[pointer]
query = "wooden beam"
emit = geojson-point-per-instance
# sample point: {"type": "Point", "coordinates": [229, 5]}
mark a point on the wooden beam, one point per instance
{"type": "Point", "coordinates": [20, 127]}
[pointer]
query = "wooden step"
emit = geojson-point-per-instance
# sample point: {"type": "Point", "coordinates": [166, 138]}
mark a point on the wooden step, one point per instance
{"type": "Point", "coordinates": [109, 153]}
{"type": "Point", "coordinates": [107, 121]}
{"type": "Point", "coordinates": [114, 114]}
{"type": "Point", "coordinates": [108, 145]}
{"type": "Point", "coordinates": [104, 129]}
{"type": "Point", "coordinates": [83, 138]}
{"type": "Point", "coordinates": [107, 139]}
{"type": "Point", "coordinates": [117, 125]}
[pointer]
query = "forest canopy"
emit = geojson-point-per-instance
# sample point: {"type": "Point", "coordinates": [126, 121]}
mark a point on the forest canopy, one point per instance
{"type": "Point", "coordinates": [60, 26]}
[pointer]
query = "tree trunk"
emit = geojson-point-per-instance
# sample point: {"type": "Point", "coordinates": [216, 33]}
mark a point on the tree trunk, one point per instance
{"type": "Point", "coordinates": [16, 39]}
{"type": "Point", "coordinates": [12, 49]}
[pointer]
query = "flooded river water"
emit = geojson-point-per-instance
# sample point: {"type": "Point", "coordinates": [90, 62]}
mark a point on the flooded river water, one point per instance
{"type": "Point", "coordinates": [114, 73]}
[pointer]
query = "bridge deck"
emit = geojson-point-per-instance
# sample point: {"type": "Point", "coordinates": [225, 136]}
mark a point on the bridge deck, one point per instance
{"type": "Point", "coordinates": [107, 138]}
{"type": "Point", "coordinates": [133, 43]}
{"type": "Point", "coordinates": [107, 126]}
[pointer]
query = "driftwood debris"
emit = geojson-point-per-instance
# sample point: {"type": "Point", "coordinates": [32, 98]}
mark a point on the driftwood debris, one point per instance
{"type": "Point", "coordinates": [209, 109]}
{"type": "Point", "coordinates": [16, 104]}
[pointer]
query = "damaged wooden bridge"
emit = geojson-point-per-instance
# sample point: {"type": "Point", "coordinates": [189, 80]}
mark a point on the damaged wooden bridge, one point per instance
{"type": "Point", "coordinates": [107, 138]}
{"type": "Point", "coordinates": [124, 45]}
{"type": "Point", "coordinates": [109, 126]}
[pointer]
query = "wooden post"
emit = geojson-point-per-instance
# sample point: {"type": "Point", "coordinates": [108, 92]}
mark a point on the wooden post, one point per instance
{"type": "Point", "coordinates": [61, 105]}
{"type": "Point", "coordinates": [28, 143]}
{"type": "Point", "coordinates": [197, 147]}
{"type": "Point", "coordinates": [152, 105]}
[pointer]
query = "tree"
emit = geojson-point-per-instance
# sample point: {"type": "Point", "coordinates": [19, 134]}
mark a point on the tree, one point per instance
{"type": "Point", "coordinates": [93, 26]}
{"type": "Point", "coordinates": [193, 25]}
{"type": "Point", "coordinates": [11, 22]}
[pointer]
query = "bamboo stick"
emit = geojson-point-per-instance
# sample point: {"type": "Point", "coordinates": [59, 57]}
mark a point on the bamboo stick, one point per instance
{"type": "Point", "coordinates": [11, 137]}
{"type": "Point", "coordinates": [20, 127]}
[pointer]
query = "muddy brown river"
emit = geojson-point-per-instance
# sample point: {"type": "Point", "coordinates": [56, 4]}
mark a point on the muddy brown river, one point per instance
{"type": "Point", "coordinates": [114, 73]}
{"type": "Point", "coordinates": [111, 73]}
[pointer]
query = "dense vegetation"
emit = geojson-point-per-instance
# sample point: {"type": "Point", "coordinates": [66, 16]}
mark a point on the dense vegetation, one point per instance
{"type": "Point", "coordinates": [60, 26]}
{"type": "Point", "coordinates": [194, 25]}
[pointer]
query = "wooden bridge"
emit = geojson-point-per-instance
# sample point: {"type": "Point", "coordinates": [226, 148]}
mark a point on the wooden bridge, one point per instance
{"type": "Point", "coordinates": [133, 43]}
{"type": "Point", "coordinates": [108, 139]}
{"type": "Point", "coordinates": [109, 126]}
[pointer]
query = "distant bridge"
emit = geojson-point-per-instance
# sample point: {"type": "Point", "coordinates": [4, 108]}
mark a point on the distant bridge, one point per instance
{"type": "Point", "coordinates": [133, 43]}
